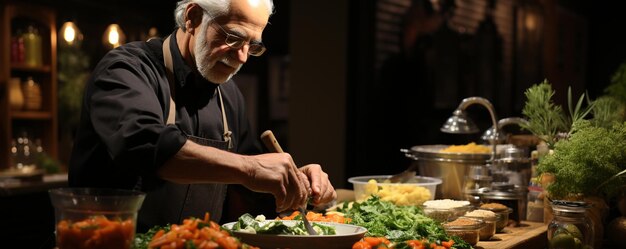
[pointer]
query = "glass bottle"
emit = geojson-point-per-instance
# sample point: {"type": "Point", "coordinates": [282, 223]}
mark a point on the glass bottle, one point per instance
{"type": "Point", "coordinates": [16, 96]}
{"type": "Point", "coordinates": [570, 227]}
{"type": "Point", "coordinates": [32, 95]}
{"type": "Point", "coordinates": [32, 47]}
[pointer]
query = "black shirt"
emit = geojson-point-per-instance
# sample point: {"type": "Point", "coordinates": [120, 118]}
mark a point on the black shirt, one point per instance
{"type": "Point", "coordinates": [123, 137]}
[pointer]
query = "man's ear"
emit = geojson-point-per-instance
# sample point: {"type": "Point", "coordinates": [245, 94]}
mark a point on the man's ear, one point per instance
{"type": "Point", "coordinates": [193, 17]}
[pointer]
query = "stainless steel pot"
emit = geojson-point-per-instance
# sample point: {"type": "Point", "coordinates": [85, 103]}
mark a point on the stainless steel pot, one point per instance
{"type": "Point", "coordinates": [450, 167]}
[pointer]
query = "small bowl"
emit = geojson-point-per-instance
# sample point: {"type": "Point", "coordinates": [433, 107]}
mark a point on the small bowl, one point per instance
{"type": "Point", "coordinates": [95, 218]}
{"type": "Point", "coordinates": [454, 210]}
{"type": "Point", "coordinates": [413, 192]}
{"type": "Point", "coordinates": [502, 216]}
{"type": "Point", "coordinates": [489, 230]}
{"type": "Point", "coordinates": [466, 228]}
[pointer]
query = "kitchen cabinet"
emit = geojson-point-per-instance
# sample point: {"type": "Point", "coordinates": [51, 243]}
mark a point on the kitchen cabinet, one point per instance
{"type": "Point", "coordinates": [38, 115]}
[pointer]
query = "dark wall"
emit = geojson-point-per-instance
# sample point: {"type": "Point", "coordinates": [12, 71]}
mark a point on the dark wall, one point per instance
{"type": "Point", "coordinates": [605, 51]}
{"type": "Point", "coordinates": [607, 44]}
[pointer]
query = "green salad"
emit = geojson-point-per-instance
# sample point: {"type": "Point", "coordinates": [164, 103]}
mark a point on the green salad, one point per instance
{"type": "Point", "coordinates": [258, 225]}
{"type": "Point", "coordinates": [397, 223]}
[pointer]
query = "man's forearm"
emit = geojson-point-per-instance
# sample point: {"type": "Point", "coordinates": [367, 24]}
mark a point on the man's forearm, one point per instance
{"type": "Point", "coordinates": [195, 163]}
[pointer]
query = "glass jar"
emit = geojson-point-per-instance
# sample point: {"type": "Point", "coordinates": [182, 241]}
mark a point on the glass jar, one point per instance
{"type": "Point", "coordinates": [468, 229]}
{"type": "Point", "coordinates": [570, 227]}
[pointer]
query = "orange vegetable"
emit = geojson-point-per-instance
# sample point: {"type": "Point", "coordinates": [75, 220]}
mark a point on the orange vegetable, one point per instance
{"type": "Point", "coordinates": [312, 216]}
{"type": "Point", "coordinates": [361, 245]}
{"type": "Point", "coordinates": [202, 233]}
{"type": "Point", "coordinates": [376, 241]}
{"type": "Point", "coordinates": [447, 244]}
{"type": "Point", "coordinates": [95, 232]}
{"type": "Point", "coordinates": [415, 244]}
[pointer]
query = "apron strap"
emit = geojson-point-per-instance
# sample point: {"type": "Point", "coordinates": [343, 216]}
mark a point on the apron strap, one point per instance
{"type": "Point", "coordinates": [227, 132]}
{"type": "Point", "coordinates": [171, 117]}
{"type": "Point", "coordinates": [169, 68]}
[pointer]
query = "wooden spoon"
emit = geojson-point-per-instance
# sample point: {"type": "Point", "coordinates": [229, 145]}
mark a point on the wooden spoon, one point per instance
{"type": "Point", "coordinates": [272, 145]}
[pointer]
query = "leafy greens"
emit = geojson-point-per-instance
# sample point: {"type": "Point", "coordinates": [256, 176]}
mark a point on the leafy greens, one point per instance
{"type": "Point", "coordinates": [397, 223]}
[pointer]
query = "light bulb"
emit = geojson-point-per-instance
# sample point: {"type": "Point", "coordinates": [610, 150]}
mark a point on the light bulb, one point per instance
{"type": "Point", "coordinates": [71, 33]}
{"type": "Point", "coordinates": [113, 36]}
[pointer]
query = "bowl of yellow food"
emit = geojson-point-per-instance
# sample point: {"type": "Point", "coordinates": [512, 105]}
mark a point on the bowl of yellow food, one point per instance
{"type": "Point", "coordinates": [413, 192]}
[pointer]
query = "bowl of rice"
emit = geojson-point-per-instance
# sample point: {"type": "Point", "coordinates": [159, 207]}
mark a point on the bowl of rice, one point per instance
{"type": "Point", "coordinates": [445, 209]}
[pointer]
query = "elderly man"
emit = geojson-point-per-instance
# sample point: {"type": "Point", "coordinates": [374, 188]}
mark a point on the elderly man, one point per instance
{"type": "Point", "coordinates": [164, 117]}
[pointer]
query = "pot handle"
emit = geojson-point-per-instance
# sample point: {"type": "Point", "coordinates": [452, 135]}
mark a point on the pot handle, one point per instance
{"type": "Point", "coordinates": [407, 153]}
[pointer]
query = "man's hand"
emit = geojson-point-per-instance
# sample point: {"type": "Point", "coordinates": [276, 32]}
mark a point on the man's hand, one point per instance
{"type": "Point", "coordinates": [322, 191]}
{"type": "Point", "coordinates": [276, 173]}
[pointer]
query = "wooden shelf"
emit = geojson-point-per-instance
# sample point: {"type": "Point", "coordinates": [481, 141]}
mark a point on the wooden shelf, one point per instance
{"type": "Point", "coordinates": [43, 124]}
{"type": "Point", "coordinates": [30, 69]}
{"type": "Point", "coordinates": [34, 115]}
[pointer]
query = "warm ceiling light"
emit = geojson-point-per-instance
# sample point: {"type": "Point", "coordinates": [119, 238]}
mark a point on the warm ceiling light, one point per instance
{"type": "Point", "coordinates": [71, 34]}
{"type": "Point", "coordinates": [114, 36]}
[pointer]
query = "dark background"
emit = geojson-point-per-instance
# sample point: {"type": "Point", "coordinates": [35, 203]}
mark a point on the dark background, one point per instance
{"type": "Point", "coordinates": [369, 147]}
{"type": "Point", "coordinates": [604, 51]}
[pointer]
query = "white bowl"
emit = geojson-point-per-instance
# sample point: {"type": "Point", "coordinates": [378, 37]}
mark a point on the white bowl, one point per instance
{"type": "Point", "coordinates": [416, 189]}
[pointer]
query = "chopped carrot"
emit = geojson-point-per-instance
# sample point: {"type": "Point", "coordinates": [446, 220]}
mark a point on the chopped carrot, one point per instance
{"type": "Point", "coordinates": [447, 244]}
{"type": "Point", "coordinates": [361, 245]}
{"type": "Point", "coordinates": [202, 233]}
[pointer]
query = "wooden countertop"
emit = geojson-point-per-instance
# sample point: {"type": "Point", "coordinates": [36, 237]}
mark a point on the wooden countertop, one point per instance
{"type": "Point", "coordinates": [526, 235]}
{"type": "Point", "coordinates": [16, 187]}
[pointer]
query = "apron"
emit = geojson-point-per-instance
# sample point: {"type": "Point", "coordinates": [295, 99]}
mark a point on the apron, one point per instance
{"type": "Point", "coordinates": [170, 203]}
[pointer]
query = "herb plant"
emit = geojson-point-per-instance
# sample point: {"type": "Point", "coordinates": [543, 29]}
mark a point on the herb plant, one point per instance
{"type": "Point", "coordinates": [584, 162]}
{"type": "Point", "coordinates": [545, 119]}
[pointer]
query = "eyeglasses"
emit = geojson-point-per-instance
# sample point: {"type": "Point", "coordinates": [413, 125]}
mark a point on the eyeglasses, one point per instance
{"type": "Point", "coordinates": [236, 42]}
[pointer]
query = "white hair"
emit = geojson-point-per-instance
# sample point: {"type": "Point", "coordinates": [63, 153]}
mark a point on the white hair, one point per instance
{"type": "Point", "coordinates": [215, 8]}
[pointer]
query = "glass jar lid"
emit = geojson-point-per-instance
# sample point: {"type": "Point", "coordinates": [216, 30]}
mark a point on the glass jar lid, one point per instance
{"type": "Point", "coordinates": [570, 206]}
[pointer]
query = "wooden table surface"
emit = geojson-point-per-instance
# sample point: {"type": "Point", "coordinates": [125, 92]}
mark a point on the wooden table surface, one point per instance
{"type": "Point", "coordinates": [526, 235]}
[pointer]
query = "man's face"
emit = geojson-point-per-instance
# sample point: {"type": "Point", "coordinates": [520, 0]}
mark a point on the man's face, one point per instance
{"type": "Point", "coordinates": [207, 62]}
{"type": "Point", "coordinates": [217, 61]}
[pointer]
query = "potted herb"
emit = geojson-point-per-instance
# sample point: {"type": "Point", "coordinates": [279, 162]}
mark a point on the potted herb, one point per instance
{"type": "Point", "coordinates": [587, 152]}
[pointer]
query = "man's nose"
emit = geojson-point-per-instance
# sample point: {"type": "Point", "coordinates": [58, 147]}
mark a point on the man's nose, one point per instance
{"type": "Point", "coordinates": [242, 54]}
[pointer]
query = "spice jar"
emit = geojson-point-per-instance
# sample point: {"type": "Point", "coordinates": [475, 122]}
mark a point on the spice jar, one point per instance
{"type": "Point", "coordinates": [570, 227]}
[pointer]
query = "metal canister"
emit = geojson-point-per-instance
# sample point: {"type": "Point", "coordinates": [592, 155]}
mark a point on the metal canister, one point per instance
{"type": "Point", "coordinates": [510, 196]}
{"type": "Point", "coordinates": [512, 166]}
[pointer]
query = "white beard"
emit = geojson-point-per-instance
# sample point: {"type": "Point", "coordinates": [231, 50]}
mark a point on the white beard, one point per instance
{"type": "Point", "coordinates": [203, 61]}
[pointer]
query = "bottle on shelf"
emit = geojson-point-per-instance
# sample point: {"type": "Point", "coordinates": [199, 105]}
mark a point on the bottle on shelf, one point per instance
{"type": "Point", "coordinates": [32, 47]}
{"type": "Point", "coordinates": [32, 95]}
{"type": "Point", "coordinates": [16, 97]}
{"type": "Point", "coordinates": [17, 48]}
